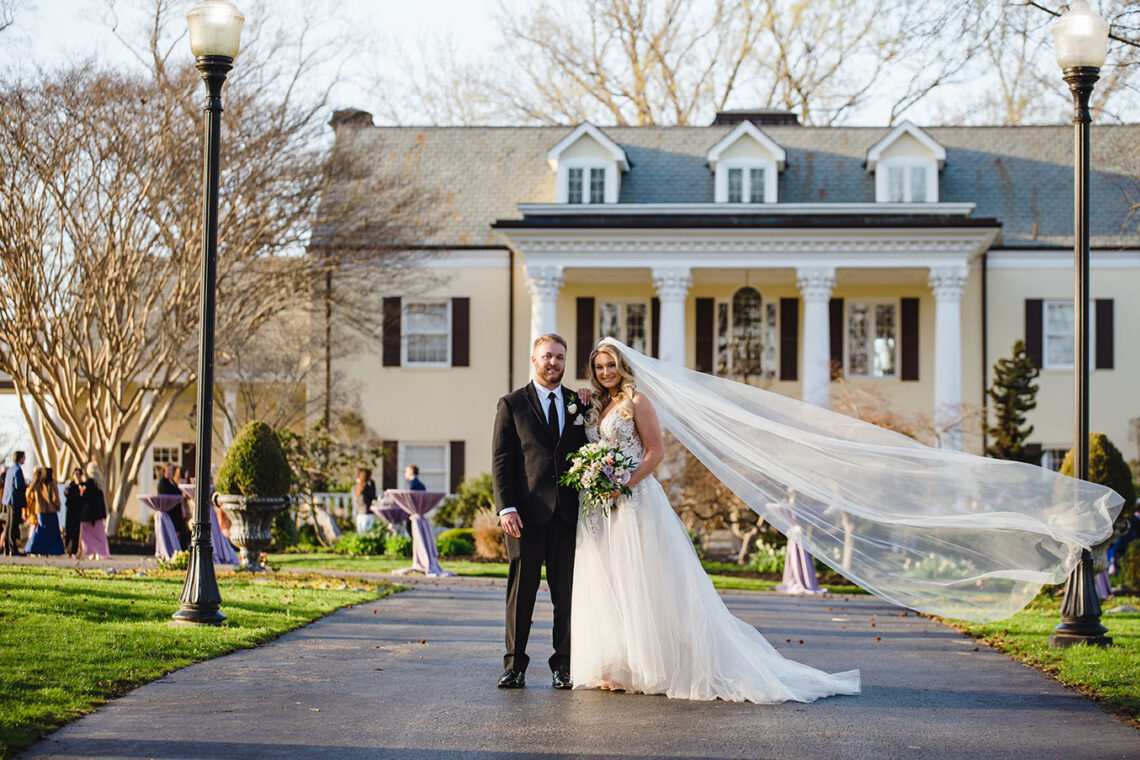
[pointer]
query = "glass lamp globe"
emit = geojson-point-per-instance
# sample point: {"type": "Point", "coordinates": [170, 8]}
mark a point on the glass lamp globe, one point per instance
{"type": "Point", "coordinates": [1081, 37]}
{"type": "Point", "coordinates": [215, 28]}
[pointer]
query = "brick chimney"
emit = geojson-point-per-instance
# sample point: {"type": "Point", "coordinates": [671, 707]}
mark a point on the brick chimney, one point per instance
{"type": "Point", "coordinates": [758, 116]}
{"type": "Point", "coordinates": [350, 117]}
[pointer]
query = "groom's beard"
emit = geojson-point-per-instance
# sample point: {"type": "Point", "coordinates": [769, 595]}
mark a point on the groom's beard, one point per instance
{"type": "Point", "coordinates": [550, 376]}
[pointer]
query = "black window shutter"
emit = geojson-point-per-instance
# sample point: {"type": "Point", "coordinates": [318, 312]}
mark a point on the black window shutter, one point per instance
{"type": "Point", "coordinates": [388, 475]}
{"type": "Point", "coordinates": [392, 332]}
{"type": "Point", "coordinates": [460, 332]}
{"type": "Point", "coordinates": [655, 329]}
{"type": "Point", "coordinates": [908, 339]}
{"type": "Point", "coordinates": [836, 330]}
{"type": "Point", "coordinates": [190, 456]}
{"type": "Point", "coordinates": [1105, 357]}
{"type": "Point", "coordinates": [1033, 453]}
{"type": "Point", "coordinates": [458, 458]}
{"type": "Point", "coordinates": [705, 339]}
{"type": "Point", "coordinates": [1034, 335]}
{"type": "Point", "coordinates": [789, 338]}
{"type": "Point", "coordinates": [585, 337]}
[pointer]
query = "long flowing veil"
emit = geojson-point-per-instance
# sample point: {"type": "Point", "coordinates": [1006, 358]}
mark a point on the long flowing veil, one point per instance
{"type": "Point", "coordinates": [939, 531]}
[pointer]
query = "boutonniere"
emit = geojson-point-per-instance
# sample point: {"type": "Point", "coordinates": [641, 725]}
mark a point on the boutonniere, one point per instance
{"type": "Point", "coordinates": [572, 403]}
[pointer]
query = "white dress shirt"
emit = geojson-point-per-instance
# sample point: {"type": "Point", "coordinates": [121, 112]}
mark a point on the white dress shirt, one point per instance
{"type": "Point", "coordinates": [544, 404]}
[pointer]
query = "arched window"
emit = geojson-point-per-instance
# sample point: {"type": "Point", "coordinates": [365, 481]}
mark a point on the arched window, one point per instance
{"type": "Point", "coordinates": [747, 332]}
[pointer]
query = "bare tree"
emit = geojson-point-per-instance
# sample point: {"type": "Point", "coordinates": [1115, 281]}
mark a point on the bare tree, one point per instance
{"type": "Point", "coordinates": [100, 229]}
{"type": "Point", "coordinates": [8, 11]}
{"type": "Point", "coordinates": [679, 61]}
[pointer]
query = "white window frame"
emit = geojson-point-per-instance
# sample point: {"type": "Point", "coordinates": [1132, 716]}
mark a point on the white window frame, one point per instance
{"type": "Point", "coordinates": [906, 163]}
{"type": "Point", "coordinates": [1052, 457]}
{"type": "Point", "coordinates": [624, 327]}
{"type": "Point", "coordinates": [404, 332]}
{"type": "Point", "coordinates": [177, 461]}
{"type": "Point", "coordinates": [609, 168]}
{"type": "Point", "coordinates": [402, 462]}
{"type": "Point", "coordinates": [871, 302]}
{"type": "Point", "coordinates": [1068, 366]}
{"type": "Point", "coordinates": [745, 165]}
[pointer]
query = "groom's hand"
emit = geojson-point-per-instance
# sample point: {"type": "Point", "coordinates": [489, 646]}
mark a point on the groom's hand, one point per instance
{"type": "Point", "coordinates": [512, 524]}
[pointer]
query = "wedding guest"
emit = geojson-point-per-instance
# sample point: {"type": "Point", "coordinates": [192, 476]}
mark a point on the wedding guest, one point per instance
{"type": "Point", "coordinates": [412, 476]}
{"type": "Point", "coordinates": [167, 487]}
{"type": "Point", "coordinates": [14, 500]}
{"type": "Point", "coordinates": [43, 501]}
{"type": "Point", "coordinates": [92, 533]}
{"type": "Point", "coordinates": [363, 492]}
{"type": "Point", "coordinates": [73, 512]}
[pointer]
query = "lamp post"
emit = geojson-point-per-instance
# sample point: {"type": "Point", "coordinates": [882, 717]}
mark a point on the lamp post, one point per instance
{"type": "Point", "coordinates": [215, 36]}
{"type": "Point", "coordinates": [1082, 39]}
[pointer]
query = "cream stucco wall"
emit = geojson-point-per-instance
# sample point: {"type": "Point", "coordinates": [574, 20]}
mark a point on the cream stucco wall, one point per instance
{"type": "Point", "coordinates": [1114, 394]}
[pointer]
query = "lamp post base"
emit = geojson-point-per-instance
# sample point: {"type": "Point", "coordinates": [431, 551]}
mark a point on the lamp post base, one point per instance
{"type": "Point", "coordinates": [198, 614]}
{"type": "Point", "coordinates": [1080, 610]}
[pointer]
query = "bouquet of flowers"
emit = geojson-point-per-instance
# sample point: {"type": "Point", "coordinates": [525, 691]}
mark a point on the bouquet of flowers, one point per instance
{"type": "Point", "coordinates": [599, 471]}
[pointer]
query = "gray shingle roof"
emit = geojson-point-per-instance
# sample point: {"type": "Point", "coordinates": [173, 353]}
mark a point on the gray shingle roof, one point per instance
{"type": "Point", "coordinates": [1022, 176]}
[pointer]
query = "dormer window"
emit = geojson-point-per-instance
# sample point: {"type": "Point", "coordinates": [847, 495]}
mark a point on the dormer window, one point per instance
{"type": "Point", "coordinates": [588, 167]}
{"type": "Point", "coordinates": [905, 164]}
{"type": "Point", "coordinates": [747, 164]}
{"type": "Point", "coordinates": [586, 184]}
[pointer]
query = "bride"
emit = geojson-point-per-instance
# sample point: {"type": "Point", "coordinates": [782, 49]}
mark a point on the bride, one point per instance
{"type": "Point", "coordinates": [644, 615]}
{"type": "Point", "coordinates": [938, 531]}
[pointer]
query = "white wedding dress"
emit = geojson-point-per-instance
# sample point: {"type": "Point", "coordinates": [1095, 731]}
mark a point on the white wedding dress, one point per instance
{"type": "Point", "coordinates": [645, 618]}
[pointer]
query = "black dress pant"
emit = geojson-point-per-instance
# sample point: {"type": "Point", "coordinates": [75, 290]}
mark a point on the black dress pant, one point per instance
{"type": "Point", "coordinates": [552, 544]}
{"type": "Point", "coordinates": [71, 530]}
{"type": "Point", "coordinates": [10, 539]}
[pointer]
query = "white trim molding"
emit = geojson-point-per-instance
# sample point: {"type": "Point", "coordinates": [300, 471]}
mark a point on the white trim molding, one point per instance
{"type": "Point", "coordinates": [906, 128]}
{"type": "Point", "coordinates": [774, 209]}
{"type": "Point", "coordinates": [1034, 259]}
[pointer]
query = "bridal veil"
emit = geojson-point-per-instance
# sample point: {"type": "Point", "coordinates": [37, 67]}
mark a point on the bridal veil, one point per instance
{"type": "Point", "coordinates": [943, 532]}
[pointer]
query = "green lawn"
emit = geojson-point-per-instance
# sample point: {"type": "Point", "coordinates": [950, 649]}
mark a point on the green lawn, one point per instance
{"type": "Point", "coordinates": [723, 575]}
{"type": "Point", "coordinates": [1111, 675]}
{"type": "Point", "coordinates": [71, 640]}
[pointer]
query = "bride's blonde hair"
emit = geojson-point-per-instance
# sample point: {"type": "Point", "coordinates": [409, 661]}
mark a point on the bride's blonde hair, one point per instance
{"type": "Point", "coordinates": [601, 397]}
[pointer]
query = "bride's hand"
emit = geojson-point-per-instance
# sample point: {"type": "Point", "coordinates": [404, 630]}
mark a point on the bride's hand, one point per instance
{"type": "Point", "coordinates": [584, 394]}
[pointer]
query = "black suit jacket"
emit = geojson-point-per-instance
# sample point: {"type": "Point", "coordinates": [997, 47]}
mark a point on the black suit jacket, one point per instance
{"type": "Point", "coordinates": [528, 461]}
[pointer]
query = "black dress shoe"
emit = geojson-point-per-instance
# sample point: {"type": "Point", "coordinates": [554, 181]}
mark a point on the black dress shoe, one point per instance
{"type": "Point", "coordinates": [562, 680]}
{"type": "Point", "coordinates": [512, 679]}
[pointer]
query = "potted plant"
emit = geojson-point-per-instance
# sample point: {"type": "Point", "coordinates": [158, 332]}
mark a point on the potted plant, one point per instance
{"type": "Point", "coordinates": [252, 487]}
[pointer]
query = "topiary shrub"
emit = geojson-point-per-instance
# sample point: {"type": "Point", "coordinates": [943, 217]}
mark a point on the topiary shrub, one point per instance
{"type": "Point", "coordinates": [456, 543]}
{"type": "Point", "coordinates": [396, 545]}
{"type": "Point", "coordinates": [1106, 467]}
{"type": "Point", "coordinates": [255, 465]}
{"type": "Point", "coordinates": [1129, 566]}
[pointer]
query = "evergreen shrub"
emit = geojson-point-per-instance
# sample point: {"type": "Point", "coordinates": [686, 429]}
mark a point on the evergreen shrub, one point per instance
{"type": "Point", "coordinates": [255, 465]}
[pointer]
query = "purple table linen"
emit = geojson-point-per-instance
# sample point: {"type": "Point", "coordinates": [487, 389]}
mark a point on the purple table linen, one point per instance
{"type": "Point", "coordinates": [799, 571]}
{"type": "Point", "coordinates": [425, 556]}
{"type": "Point", "coordinates": [165, 536]}
{"type": "Point", "coordinates": [224, 552]}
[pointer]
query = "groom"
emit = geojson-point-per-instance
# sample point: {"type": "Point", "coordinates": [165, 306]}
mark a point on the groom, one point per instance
{"type": "Point", "coordinates": [536, 427]}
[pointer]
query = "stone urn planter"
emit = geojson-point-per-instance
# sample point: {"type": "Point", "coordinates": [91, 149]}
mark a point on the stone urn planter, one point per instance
{"type": "Point", "coordinates": [250, 523]}
{"type": "Point", "coordinates": [252, 487]}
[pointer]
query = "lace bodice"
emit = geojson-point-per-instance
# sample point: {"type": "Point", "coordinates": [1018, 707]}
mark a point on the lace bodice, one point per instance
{"type": "Point", "coordinates": [618, 430]}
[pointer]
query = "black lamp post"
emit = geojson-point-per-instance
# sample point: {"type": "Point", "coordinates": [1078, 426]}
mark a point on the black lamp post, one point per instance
{"type": "Point", "coordinates": [1082, 39]}
{"type": "Point", "coordinates": [215, 36]}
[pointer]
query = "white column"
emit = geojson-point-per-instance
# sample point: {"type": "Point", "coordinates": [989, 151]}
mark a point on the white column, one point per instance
{"type": "Point", "coordinates": [948, 283]}
{"type": "Point", "coordinates": [544, 283]}
{"type": "Point", "coordinates": [815, 285]}
{"type": "Point", "coordinates": [229, 431]}
{"type": "Point", "coordinates": [672, 284]}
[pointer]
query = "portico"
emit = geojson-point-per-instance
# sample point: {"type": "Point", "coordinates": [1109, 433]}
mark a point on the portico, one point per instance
{"type": "Point", "coordinates": [809, 252]}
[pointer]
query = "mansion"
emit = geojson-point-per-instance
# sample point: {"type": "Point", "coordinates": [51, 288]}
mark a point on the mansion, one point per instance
{"type": "Point", "coordinates": [818, 262]}
{"type": "Point", "coordinates": [893, 266]}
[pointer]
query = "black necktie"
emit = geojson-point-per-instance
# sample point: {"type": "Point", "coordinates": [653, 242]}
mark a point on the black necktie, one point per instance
{"type": "Point", "coordinates": [552, 416]}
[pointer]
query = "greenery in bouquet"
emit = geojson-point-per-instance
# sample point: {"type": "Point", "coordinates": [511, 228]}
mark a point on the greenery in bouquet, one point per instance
{"type": "Point", "coordinates": [599, 471]}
